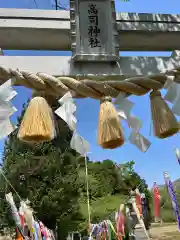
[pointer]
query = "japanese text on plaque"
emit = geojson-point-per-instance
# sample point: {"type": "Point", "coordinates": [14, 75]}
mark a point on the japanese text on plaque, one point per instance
{"type": "Point", "coordinates": [93, 29]}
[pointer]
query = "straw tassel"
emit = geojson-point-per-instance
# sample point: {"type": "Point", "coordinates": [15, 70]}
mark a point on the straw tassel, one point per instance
{"type": "Point", "coordinates": [37, 124]}
{"type": "Point", "coordinates": [164, 121]}
{"type": "Point", "coordinates": [110, 133]}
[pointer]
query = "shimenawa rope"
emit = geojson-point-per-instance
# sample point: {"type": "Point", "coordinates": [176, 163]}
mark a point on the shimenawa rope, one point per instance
{"type": "Point", "coordinates": [58, 86]}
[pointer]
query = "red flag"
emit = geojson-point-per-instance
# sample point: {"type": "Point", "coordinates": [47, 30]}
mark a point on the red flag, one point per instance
{"type": "Point", "coordinates": [157, 198]}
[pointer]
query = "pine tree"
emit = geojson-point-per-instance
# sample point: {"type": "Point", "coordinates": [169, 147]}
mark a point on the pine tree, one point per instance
{"type": "Point", "coordinates": [46, 174]}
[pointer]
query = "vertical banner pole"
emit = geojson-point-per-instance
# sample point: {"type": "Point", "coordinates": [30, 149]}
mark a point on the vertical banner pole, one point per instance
{"type": "Point", "coordinates": [140, 220]}
{"type": "Point", "coordinates": [87, 192]}
{"type": "Point", "coordinates": [172, 195]}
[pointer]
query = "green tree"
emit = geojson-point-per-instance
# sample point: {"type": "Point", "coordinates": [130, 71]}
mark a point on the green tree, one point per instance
{"type": "Point", "coordinates": [46, 174]}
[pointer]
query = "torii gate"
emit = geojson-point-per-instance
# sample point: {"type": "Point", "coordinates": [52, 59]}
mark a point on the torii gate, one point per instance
{"type": "Point", "coordinates": [97, 71]}
{"type": "Point", "coordinates": [93, 70]}
{"type": "Point", "coordinates": [27, 29]}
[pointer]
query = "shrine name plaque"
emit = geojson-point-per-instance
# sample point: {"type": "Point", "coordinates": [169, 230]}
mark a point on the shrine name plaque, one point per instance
{"type": "Point", "coordinates": [94, 31]}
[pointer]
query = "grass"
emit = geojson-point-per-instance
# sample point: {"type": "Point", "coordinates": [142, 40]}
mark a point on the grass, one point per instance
{"type": "Point", "coordinates": [169, 236]}
{"type": "Point", "coordinates": [101, 209]}
{"type": "Point", "coordinates": [158, 225]}
{"type": "Point", "coordinates": [103, 206]}
{"type": "Point", "coordinates": [165, 232]}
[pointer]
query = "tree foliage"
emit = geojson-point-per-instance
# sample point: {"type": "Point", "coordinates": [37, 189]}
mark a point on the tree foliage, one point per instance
{"type": "Point", "coordinates": [47, 175]}
{"type": "Point", "coordinates": [52, 176]}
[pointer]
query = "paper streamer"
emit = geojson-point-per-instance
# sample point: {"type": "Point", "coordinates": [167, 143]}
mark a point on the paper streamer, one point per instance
{"type": "Point", "coordinates": [120, 98]}
{"type": "Point", "coordinates": [67, 97]}
{"type": "Point", "coordinates": [169, 81]}
{"type": "Point", "coordinates": [6, 109]}
{"type": "Point", "coordinates": [139, 141]}
{"type": "Point", "coordinates": [124, 107]}
{"type": "Point", "coordinates": [176, 106]}
{"type": "Point", "coordinates": [6, 128]}
{"type": "Point", "coordinates": [7, 92]}
{"type": "Point", "coordinates": [66, 113]}
{"type": "Point", "coordinates": [134, 123]}
{"type": "Point", "coordinates": [67, 110]}
{"type": "Point", "coordinates": [173, 95]}
{"type": "Point", "coordinates": [79, 144]}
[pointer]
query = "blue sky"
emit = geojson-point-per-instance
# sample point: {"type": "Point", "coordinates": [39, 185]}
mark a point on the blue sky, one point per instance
{"type": "Point", "coordinates": [160, 156]}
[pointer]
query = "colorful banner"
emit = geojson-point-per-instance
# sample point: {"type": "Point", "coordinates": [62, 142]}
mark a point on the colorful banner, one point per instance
{"type": "Point", "coordinates": [120, 226]}
{"type": "Point", "coordinates": [140, 220]}
{"type": "Point", "coordinates": [14, 212]}
{"type": "Point", "coordinates": [138, 201]}
{"type": "Point", "coordinates": [172, 195]}
{"type": "Point", "coordinates": [157, 202]}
